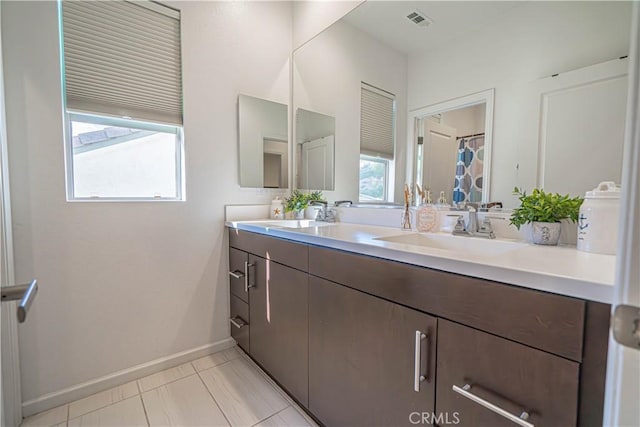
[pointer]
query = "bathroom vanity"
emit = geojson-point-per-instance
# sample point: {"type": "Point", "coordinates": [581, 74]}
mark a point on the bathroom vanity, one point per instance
{"type": "Point", "coordinates": [371, 338]}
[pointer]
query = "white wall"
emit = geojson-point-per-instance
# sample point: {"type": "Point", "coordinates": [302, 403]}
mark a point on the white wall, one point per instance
{"type": "Point", "coordinates": [467, 121]}
{"type": "Point", "coordinates": [537, 40]}
{"type": "Point", "coordinates": [126, 283]}
{"type": "Point", "coordinates": [327, 75]}
{"type": "Point", "coordinates": [310, 18]}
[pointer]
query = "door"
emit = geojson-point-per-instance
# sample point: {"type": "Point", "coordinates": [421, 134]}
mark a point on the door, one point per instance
{"type": "Point", "coordinates": [440, 157]}
{"type": "Point", "coordinates": [371, 362]}
{"type": "Point", "coordinates": [278, 334]}
{"type": "Point", "coordinates": [11, 411]}
{"type": "Point", "coordinates": [623, 369]}
{"type": "Point", "coordinates": [317, 164]}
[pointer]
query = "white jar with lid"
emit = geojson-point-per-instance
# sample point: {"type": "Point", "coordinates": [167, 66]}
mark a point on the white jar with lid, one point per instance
{"type": "Point", "coordinates": [598, 220]}
{"type": "Point", "coordinates": [277, 209]}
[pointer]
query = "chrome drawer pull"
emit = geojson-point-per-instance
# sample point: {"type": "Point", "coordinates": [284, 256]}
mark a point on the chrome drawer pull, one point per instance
{"type": "Point", "coordinates": [520, 420]}
{"type": "Point", "coordinates": [417, 377]}
{"type": "Point", "coordinates": [237, 322]}
{"type": "Point", "coordinates": [25, 293]}
{"type": "Point", "coordinates": [236, 274]}
{"type": "Point", "coordinates": [246, 276]}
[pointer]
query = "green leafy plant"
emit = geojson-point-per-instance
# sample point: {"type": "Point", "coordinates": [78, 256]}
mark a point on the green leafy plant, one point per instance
{"type": "Point", "coordinates": [299, 200]}
{"type": "Point", "coordinates": [540, 206]}
{"type": "Point", "coordinates": [315, 196]}
{"type": "Point", "coordinates": [296, 201]}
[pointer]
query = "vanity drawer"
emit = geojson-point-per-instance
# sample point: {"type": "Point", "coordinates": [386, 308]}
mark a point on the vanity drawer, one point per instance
{"type": "Point", "coordinates": [238, 268]}
{"type": "Point", "coordinates": [546, 321]}
{"type": "Point", "coordinates": [239, 319]}
{"type": "Point", "coordinates": [491, 371]}
{"type": "Point", "coordinates": [285, 252]}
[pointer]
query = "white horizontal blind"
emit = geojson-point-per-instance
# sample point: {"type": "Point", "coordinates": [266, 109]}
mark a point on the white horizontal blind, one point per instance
{"type": "Point", "coordinates": [123, 59]}
{"type": "Point", "coordinates": [377, 122]}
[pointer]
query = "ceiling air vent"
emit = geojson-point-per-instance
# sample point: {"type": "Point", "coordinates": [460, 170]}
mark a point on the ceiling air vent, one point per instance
{"type": "Point", "coordinates": [419, 18]}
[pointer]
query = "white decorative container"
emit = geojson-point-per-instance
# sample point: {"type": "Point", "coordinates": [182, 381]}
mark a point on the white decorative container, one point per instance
{"type": "Point", "coordinates": [277, 209]}
{"type": "Point", "coordinates": [598, 220]}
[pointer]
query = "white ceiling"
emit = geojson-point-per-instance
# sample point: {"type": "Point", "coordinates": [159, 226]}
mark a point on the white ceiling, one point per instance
{"type": "Point", "coordinates": [387, 21]}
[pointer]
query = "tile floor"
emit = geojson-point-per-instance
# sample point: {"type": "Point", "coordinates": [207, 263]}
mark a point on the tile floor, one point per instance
{"type": "Point", "coordinates": [222, 389]}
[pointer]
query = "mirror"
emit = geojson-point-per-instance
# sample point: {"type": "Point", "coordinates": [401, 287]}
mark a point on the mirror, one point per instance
{"type": "Point", "coordinates": [453, 148]}
{"type": "Point", "coordinates": [315, 147]}
{"type": "Point", "coordinates": [557, 71]}
{"type": "Point", "coordinates": [263, 143]}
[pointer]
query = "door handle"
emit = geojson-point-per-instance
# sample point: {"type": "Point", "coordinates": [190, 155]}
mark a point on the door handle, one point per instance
{"type": "Point", "coordinates": [236, 274]}
{"type": "Point", "coordinates": [238, 322]}
{"type": "Point", "coordinates": [466, 392]}
{"type": "Point", "coordinates": [246, 276]}
{"type": "Point", "coordinates": [25, 293]}
{"type": "Point", "coordinates": [626, 326]}
{"type": "Point", "coordinates": [417, 360]}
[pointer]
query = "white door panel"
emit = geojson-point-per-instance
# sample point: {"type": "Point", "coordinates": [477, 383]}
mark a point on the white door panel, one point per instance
{"type": "Point", "coordinates": [622, 397]}
{"type": "Point", "coordinates": [317, 164]}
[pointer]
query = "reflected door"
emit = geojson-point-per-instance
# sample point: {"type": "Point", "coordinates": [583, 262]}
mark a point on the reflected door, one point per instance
{"type": "Point", "coordinates": [317, 164]}
{"type": "Point", "coordinates": [440, 154]}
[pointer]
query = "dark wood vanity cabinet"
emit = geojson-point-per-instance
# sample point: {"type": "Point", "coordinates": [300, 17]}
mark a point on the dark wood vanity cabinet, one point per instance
{"type": "Point", "coordinates": [277, 283]}
{"type": "Point", "coordinates": [367, 357]}
{"type": "Point", "coordinates": [505, 375]}
{"type": "Point", "coordinates": [279, 315]}
{"type": "Point", "coordinates": [239, 297]}
{"type": "Point", "coordinates": [347, 335]}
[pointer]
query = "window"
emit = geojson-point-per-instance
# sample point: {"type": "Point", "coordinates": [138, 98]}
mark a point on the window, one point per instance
{"type": "Point", "coordinates": [377, 144]}
{"type": "Point", "coordinates": [123, 100]}
{"type": "Point", "coordinates": [374, 174]}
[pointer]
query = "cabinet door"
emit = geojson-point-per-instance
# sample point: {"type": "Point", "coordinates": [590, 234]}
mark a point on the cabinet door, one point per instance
{"type": "Point", "coordinates": [239, 320]}
{"type": "Point", "coordinates": [237, 271]}
{"type": "Point", "coordinates": [279, 323]}
{"type": "Point", "coordinates": [364, 358]}
{"type": "Point", "coordinates": [491, 373]}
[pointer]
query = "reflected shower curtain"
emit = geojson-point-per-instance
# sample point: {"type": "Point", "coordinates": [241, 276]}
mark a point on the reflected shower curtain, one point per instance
{"type": "Point", "coordinates": [468, 182]}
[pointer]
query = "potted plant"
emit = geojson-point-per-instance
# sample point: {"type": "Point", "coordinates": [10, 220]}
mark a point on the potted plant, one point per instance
{"type": "Point", "coordinates": [544, 211]}
{"type": "Point", "coordinates": [296, 203]}
{"type": "Point", "coordinates": [312, 211]}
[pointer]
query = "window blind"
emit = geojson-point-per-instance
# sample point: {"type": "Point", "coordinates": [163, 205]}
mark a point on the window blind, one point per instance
{"type": "Point", "coordinates": [123, 58]}
{"type": "Point", "coordinates": [377, 122]}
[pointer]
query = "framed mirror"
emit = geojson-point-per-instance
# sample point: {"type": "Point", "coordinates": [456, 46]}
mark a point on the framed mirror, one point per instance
{"type": "Point", "coordinates": [452, 148]}
{"type": "Point", "coordinates": [263, 143]}
{"type": "Point", "coordinates": [556, 70]}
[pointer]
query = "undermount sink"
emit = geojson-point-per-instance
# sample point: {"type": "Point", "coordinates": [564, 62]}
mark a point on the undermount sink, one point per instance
{"type": "Point", "coordinates": [288, 223]}
{"type": "Point", "coordinates": [455, 243]}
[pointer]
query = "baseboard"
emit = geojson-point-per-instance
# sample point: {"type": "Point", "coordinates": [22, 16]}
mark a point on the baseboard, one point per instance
{"type": "Point", "coordinates": [79, 391]}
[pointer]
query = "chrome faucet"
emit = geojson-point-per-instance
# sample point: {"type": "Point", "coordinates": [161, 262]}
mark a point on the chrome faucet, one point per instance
{"type": "Point", "coordinates": [472, 229]}
{"type": "Point", "coordinates": [325, 214]}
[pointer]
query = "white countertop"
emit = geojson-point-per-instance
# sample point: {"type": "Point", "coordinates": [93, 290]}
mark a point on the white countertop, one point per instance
{"type": "Point", "coordinates": [561, 270]}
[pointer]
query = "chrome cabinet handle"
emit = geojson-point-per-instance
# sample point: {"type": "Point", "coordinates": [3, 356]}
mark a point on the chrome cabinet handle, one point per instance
{"type": "Point", "coordinates": [25, 293]}
{"type": "Point", "coordinates": [246, 276]}
{"type": "Point", "coordinates": [238, 322]}
{"type": "Point", "coordinates": [520, 420]}
{"type": "Point", "coordinates": [236, 274]}
{"type": "Point", "coordinates": [417, 358]}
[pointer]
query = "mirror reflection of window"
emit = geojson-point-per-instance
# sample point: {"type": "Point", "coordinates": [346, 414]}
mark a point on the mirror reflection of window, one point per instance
{"type": "Point", "coordinates": [377, 143]}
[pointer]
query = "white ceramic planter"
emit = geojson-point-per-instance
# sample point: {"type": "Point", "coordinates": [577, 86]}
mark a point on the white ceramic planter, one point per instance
{"type": "Point", "coordinates": [545, 233]}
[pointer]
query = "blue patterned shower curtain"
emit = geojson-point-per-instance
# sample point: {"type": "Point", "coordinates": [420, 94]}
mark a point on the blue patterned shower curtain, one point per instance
{"type": "Point", "coordinates": [468, 183]}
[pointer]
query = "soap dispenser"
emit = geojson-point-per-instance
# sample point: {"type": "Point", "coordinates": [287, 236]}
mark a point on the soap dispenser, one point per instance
{"type": "Point", "coordinates": [442, 204]}
{"type": "Point", "coordinates": [427, 214]}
